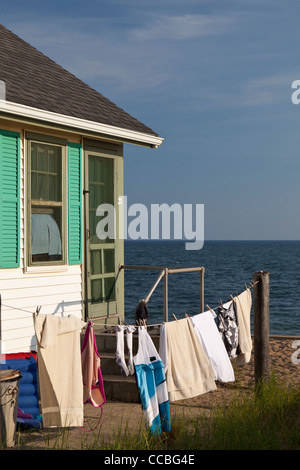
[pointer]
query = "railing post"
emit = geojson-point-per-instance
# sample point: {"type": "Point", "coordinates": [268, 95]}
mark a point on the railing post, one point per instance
{"type": "Point", "coordinates": [202, 290]}
{"type": "Point", "coordinates": [166, 295]}
{"type": "Point", "coordinates": [261, 325]}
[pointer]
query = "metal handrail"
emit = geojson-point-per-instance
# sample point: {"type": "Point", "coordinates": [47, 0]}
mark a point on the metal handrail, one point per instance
{"type": "Point", "coordinates": [165, 271]}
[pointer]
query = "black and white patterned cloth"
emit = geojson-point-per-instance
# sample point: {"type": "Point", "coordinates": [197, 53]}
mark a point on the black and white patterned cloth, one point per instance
{"type": "Point", "coordinates": [228, 328]}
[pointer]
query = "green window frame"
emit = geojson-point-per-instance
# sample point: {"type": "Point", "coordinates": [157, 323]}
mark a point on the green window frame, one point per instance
{"type": "Point", "coordinates": [46, 201]}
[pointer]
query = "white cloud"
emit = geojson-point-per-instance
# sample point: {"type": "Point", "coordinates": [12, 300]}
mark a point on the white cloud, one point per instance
{"type": "Point", "coordinates": [266, 90]}
{"type": "Point", "coordinates": [184, 27]}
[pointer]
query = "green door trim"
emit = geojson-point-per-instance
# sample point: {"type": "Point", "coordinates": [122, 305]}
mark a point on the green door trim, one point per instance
{"type": "Point", "coordinates": [104, 308]}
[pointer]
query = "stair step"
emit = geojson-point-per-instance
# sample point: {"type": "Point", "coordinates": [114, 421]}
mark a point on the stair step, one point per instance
{"type": "Point", "coordinates": [109, 365]}
{"type": "Point", "coordinates": [119, 388]}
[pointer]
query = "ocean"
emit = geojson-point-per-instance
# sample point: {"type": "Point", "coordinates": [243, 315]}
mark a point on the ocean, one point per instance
{"type": "Point", "coordinates": [228, 266]}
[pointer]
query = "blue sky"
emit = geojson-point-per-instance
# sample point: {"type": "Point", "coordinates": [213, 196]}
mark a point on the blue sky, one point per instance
{"type": "Point", "coordinates": [213, 78]}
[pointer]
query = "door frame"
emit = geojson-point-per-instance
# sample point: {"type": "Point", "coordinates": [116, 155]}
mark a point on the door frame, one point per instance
{"type": "Point", "coordinates": [111, 309]}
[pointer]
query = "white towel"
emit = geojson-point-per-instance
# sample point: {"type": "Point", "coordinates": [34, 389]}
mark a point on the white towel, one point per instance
{"type": "Point", "coordinates": [60, 370]}
{"type": "Point", "coordinates": [243, 303]}
{"type": "Point", "coordinates": [189, 371]}
{"type": "Point", "coordinates": [213, 345]}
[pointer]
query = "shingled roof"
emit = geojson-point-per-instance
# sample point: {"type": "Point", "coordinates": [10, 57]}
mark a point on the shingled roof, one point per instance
{"type": "Point", "coordinates": [32, 79]}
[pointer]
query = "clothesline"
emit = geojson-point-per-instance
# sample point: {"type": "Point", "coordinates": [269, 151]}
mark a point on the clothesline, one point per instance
{"type": "Point", "coordinates": [215, 308]}
{"type": "Point", "coordinates": [17, 308]}
{"type": "Point", "coordinates": [186, 314]}
{"type": "Point", "coordinates": [222, 303]}
{"type": "Point", "coordinates": [151, 325]}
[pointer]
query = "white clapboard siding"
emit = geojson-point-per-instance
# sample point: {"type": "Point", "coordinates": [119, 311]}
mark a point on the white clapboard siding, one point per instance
{"type": "Point", "coordinates": [30, 304]}
{"type": "Point", "coordinates": [57, 293]}
{"type": "Point", "coordinates": [19, 345]}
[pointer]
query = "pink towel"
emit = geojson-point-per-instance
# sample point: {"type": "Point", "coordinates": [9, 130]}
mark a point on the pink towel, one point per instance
{"type": "Point", "coordinates": [93, 387]}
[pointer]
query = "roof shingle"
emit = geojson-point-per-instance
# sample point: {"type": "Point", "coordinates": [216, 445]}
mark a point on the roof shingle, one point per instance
{"type": "Point", "coordinates": [34, 80]}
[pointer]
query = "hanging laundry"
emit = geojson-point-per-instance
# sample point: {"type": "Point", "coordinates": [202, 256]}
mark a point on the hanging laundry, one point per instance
{"type": "Point", "coordinates": [126, 369]}
{"type": "Point", "coordinates": [213, 345]}
{"type": "Point", "coordinates": [189, 371]}
{"type": "Point", "coordinates": [93, 387]}
{"type": "Point", "coordinates": [243, 304]}
{"type": "Point", "coordinates": [151, 383]}
{"type": "Point", "coordinates": [228, 328]}
{"type": "Point", "coordinates": [59, 369]}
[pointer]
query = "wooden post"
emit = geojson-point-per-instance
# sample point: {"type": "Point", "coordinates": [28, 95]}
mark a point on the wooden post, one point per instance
{"type": "Point", "coordinates": [202, 290]}
{"type": "Point", "coordinates": [166, 295]}
{"type": "Point", "coordinates": [261, 325]}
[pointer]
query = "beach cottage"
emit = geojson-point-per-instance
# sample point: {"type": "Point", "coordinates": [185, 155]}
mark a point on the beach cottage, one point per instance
{"type": "Point", "coordinates": [61, 156]}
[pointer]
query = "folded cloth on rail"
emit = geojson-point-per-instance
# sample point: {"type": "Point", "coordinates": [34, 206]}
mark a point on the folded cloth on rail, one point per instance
{"type": "Point", "coordinates": [213, 345]}
{"type": "Point", "coordinates": [59, 367]}
{"type": "Point", "coordinates": [243, 304]}
{"type": "Point", "coordinates": [189, 371]}
{"type": "Point", "coordinates": [45, 235]}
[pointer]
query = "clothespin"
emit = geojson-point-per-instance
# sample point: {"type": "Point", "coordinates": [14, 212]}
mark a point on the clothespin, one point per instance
{"type": "Point", "coordinates": [211, 311]}
{"type": "Point", "coordinates": [175, 317]}
{"type": "Point", "coordinates": [38, 310]}
{"type": "Point", "coordinates": [187, 315]}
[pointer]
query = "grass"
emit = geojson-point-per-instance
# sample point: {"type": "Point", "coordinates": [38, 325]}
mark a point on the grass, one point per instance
{"type": "Point", "coordinates": [266, 418]}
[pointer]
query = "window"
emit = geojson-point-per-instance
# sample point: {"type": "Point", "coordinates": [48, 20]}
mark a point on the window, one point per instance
{"type": "Point", "coordinates": [46, 203]}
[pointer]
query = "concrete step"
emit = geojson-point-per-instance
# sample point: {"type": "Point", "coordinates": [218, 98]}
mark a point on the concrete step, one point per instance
{"type": "Point", "coordinates": [109, 365]}
{"type": "Point", "coordinates": [119, 388]}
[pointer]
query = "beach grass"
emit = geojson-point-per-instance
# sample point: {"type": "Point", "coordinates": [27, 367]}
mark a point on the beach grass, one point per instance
{"type": "Point", "coordinates": [266, 417]}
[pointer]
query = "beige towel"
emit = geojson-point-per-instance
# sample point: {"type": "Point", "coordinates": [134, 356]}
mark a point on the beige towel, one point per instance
{"type": "Point", "coordinates": [243, 303]}
{"type": "Point", "coordinates": [189, 372]}
{"type": "Point", "coordinates": [59, 366]}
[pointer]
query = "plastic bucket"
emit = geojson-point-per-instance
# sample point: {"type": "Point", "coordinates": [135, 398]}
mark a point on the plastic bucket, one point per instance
{"type": "Point", "coordinates": [9, 393]}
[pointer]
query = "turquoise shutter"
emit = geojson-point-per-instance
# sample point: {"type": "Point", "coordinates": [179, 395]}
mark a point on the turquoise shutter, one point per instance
{"type": "Point", "coordinates": [9, 199]}
{"type": "Point", "coordinates": [74, 204]}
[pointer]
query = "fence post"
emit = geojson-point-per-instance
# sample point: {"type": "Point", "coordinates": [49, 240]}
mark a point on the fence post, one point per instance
{"type": "Point", "coordinates": [166, 307]}
{"type": "Point", "coordinates": [202, 290]}
{"type": "Point", "coordinates": [261, 325]}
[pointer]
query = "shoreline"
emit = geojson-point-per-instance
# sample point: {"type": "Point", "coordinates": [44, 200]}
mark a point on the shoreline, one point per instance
{"type": "Point", "coordinates": [284, 336]}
